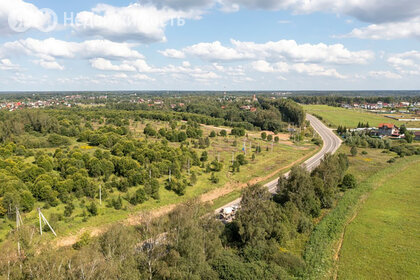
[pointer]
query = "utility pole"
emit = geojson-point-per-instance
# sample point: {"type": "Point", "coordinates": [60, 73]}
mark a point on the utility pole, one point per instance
{"type": "Point", "coordinates": [150, 173]}
{"type": "Point", "coordinates": [42, 218]}
{"type": "Point", "coordinates": [19, 223]}
{"type": "Point", "coordinates": [244, 147]}
{"type": "Point", "coordinates": [170, 177]}
{"type": "Point", "coordinates": [188, 167]}
{"type": "Point", "coordinates": [233, 157]}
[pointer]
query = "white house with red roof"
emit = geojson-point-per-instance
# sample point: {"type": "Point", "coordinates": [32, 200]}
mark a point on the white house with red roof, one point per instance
{"type": "Point", "coordinates": [388, 129]}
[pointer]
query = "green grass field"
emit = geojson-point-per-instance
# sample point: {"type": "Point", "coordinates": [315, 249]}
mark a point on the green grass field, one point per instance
{"type": "Point", "coordinates": [383, 241]}
{"type": "Point", "coordinates": [335, 116]}
{"type": "Point", "coordinates": [369, 169]}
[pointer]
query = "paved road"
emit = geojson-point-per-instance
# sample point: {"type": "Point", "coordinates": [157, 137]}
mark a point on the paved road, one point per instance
{"type": "Point", "coordinates": [331, 144]}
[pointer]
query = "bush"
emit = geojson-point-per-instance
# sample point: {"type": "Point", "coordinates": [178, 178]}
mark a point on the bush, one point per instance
{"type": "Point", "coordinates": [92, 209]}
{"type": "Point", "coordinates": [349, 181]}
{"type": "Point", "coordinates": [84, 240]}
{"type": "Point", "coordinates": [138, 197]}
{"type": "Point", "coordinates": [214, 179]}
{"type": "Point", "coordinates": [353, 151]}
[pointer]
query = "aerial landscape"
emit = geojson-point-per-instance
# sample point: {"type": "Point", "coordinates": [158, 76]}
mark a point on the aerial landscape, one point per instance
{"type": "Point", "coordinates": [209, 139]}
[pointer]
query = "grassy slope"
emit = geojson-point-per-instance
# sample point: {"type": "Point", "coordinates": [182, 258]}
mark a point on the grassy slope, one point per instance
{"type": "Point", "coordinates": [336, 116]}
{"type": "Point", "coordinates": [383, 242]}
{"type": "Point", "coordinates": [370, 169]}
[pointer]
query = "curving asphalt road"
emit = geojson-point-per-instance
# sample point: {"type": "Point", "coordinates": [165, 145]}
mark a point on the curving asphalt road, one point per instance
{"type": "Point", "coordinates": [331, 144]}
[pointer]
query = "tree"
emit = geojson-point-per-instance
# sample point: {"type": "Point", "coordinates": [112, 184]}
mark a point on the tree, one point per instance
{"type": "Point", "coordinates": [241, 159]}
{"type": "Point", "coordinates": [276, 139]}
{"type": "Point", "coordinates": [349, 181]}
{"type": "Point", "coordinates": [212, 134]}
{"type": "Point", "coordinates": [138, 197]}
{"type": "Point", "coordinates": [409, 137]}
{"type": "Point", "coordinates": [149, 131]}
{"type": "Point", "coordinates": [214, 179]}
{"type": "Point", "coordinates": [263, 135]}
{"type": "Point", "coordinates": [204, 156]}
{"type": "Point", "coordinates": [92, 209]}
{"type": "Point", "coordinates": [353, 151]}
{"type": "Point", "coordinates": [223, 133]}
{"type": "Point", "coordinates": [68, 209]}
{"type": "Point", "coordinates": [269, 137]}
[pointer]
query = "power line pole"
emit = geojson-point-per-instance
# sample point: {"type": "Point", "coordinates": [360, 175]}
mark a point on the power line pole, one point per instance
{"type": "Point", "coordinates": [19, 223]}
{"type": "Point", "coordinates": [170, 175]}
{"type": "Point", "coordinates": [42, 217]}
{"type": "Point", "coordinates": [188, 167]}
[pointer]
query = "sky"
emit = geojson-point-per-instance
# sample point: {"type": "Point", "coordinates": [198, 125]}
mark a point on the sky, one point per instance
{"type": "Point", "coordinates": [281, 45]}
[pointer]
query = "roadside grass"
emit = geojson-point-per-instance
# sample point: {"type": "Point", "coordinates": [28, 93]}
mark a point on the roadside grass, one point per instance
{"type": "Point", "coordinates": [335, 116]}
{"type": "Point", "coordinates": [383, 241]}
{"type": "Point", "coordinates": [322, 245]}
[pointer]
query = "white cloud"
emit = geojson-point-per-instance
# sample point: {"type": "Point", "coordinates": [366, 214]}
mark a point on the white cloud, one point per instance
{"type": "Point", "coordinates": [51, 48]}
{"type": "Point", "coordinates": [183, 4]}
{"type": "Point", "coordinates": [216, 52]}
{"type": "Point", "coordinates": [278, 51]}
{"type": "Point", "coordinates": [49, 64]}
{"type": "Point", "coordinates": [6, 64]}
{"type": "Point", "coordinates": [104, 64]}
{"type": "Point", "coordinates": [389, 31]}
{"type": "Point", "coordinates": [186, 64]}
{"type": "Point", "coordinates": [136, 22]}
{"type": "Point", "coordinates": [172, 53]}
{"type": "Point", "coordinates": [407, 63]}
{"type": "Point", "coordinates": [142, 77]}
{"type": "Point", "coordinates": [374, 11]}
{"type": "Point", "coordinates": [384, 74]}
{"type": "Point", "coordinates": [301, 68]}
{"type": "Point", "coordinates": [22, 16]}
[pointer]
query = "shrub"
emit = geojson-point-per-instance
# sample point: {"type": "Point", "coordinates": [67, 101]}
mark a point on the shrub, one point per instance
{"type": "Point", "coordinates": [349, 181]}
{"type": "Point", "coordinates": [92, 209]}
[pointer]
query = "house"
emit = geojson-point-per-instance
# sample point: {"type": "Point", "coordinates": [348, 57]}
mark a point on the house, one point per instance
{"type": "Point", "coordinates": [417, 135]}
{"type": "Point", "coordinates": [388, 129]}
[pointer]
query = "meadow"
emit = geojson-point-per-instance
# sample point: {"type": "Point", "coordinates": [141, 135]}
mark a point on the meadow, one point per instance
{"type": "Point", "coordinates": [385, 233]}
{"type": "Point", "coordinates": [350, 118]}
{"type": "Point", "coordinates": [322, 251]}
